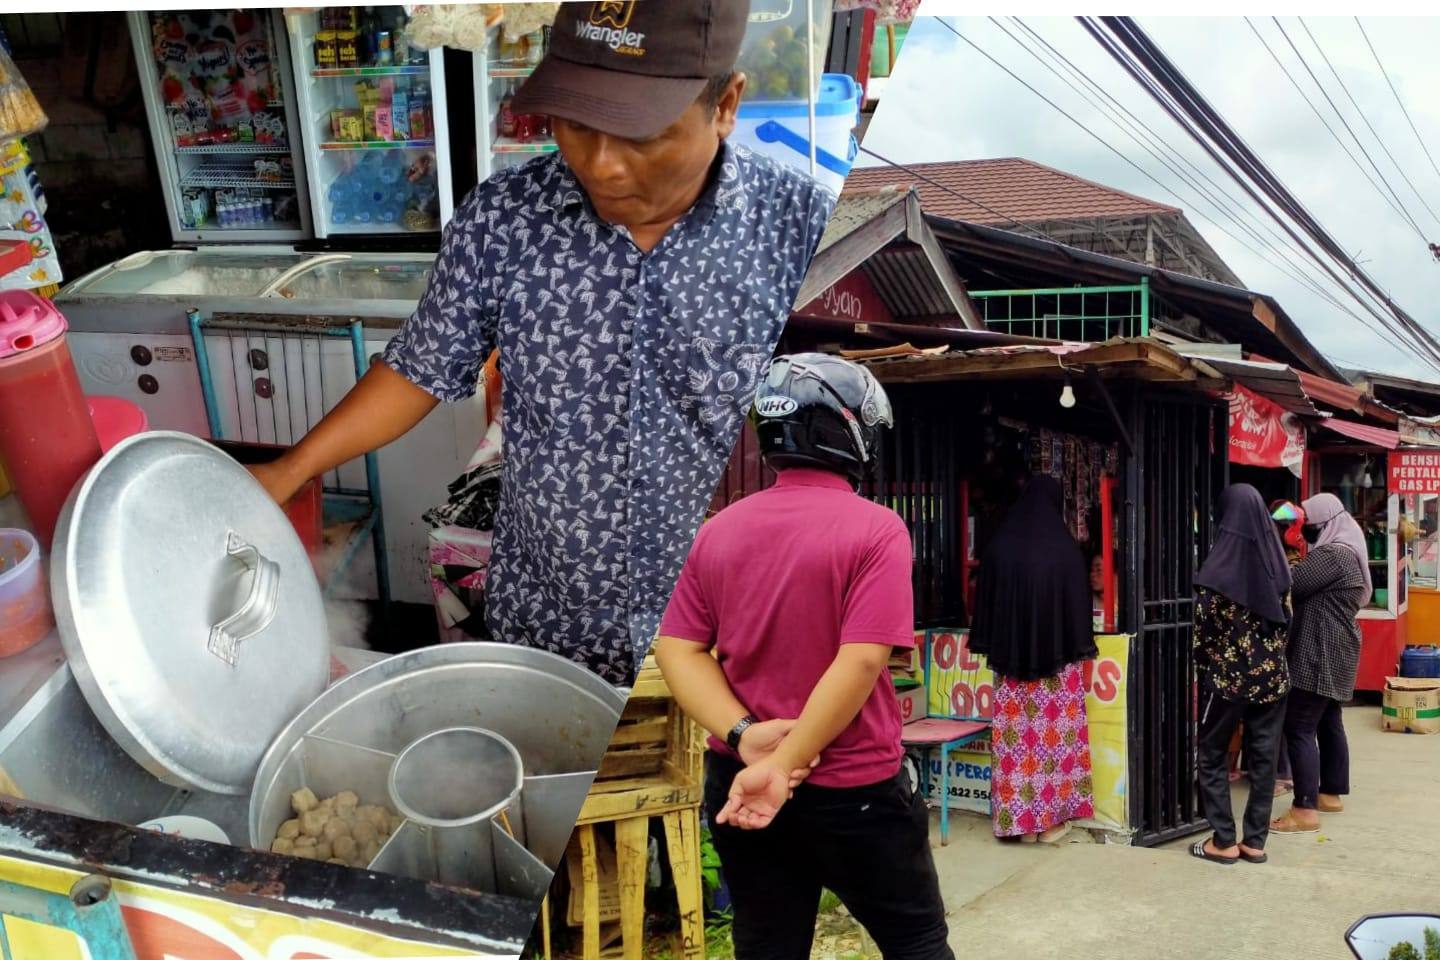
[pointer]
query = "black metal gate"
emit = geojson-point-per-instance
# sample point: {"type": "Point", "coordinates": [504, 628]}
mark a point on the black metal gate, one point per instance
{"type": "Point", "coordinates": [1174, 477]}
{"type": "Point", "coordinates": [918, 476]}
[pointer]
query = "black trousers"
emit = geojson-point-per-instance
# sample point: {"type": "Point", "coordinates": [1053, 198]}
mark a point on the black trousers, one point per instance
{"type": "Point", "coordinates": [870, 846]}
{"type": "Point", "coordinates": [1319, 751]}
{"type": "Point", "coordinates": [1263, 723]}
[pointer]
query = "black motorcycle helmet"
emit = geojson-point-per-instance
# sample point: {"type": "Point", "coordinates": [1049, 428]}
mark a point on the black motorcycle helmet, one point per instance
{"type": "Point", "coordinates": [815, 410]}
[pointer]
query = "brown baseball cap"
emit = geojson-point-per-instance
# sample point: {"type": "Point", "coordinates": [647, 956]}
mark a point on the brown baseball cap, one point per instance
{"type": "Point", "coordinates": [631, 68]}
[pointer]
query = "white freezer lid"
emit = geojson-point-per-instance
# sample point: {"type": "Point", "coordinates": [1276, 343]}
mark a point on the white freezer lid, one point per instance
{"type": "Point", "coordinates": [209, 271]}
{"type": "Point", "coordinates": [389, 277]}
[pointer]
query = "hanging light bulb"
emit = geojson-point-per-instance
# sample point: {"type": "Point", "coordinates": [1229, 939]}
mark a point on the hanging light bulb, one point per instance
{"type": "Point", "coordinates": [1367, 481]}
{"type": "Point", "coordinates": [1067, 395]}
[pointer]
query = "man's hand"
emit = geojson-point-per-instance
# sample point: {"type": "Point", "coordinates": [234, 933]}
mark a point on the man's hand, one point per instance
{"type": "Point", "coordinates": [277, 480]}
{"type": "Point", "coordinates": [759, 741]}
{"type": "Point", "coordinates": [756, 796]}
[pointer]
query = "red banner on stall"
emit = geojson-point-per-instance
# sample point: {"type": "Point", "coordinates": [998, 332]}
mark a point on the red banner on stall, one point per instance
{"type": "Point", "coordinates": [1264, 434]}
{"type": "Point", "coordinates": [853, 297]}
{"type": "Point", "coordinates": [1413, 472]}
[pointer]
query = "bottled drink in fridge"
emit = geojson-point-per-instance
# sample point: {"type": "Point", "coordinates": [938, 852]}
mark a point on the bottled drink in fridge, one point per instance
{"type": "Point", "coordinates": [47, 438]}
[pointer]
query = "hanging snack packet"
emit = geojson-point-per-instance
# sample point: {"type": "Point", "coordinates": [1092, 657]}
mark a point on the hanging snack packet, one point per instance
{"type": "Point", "coordinates": [20, 113]}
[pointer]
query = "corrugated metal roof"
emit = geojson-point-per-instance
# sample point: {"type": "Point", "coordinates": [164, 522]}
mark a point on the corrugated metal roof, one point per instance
{"type": "Point", "coordinates": [1274, 381]}
{"type": "Point", "coordinates": [1379, 436]}
{"type": "Point", "coordinates": [1006, 190]}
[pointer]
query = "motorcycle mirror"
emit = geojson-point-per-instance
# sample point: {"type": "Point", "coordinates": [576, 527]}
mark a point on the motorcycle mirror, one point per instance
{"type": "Point", "coordinates": [1395, 936]}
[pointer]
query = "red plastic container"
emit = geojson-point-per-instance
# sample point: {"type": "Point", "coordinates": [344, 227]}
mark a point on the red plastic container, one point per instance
{"type": "Point", "coordinates": [47, 439]}
{"type": "Point", "coordinates": [116, 419]}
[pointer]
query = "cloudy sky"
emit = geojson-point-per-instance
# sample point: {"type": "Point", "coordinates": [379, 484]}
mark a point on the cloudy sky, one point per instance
{"type": "Point", "coordinates": [948, 102]}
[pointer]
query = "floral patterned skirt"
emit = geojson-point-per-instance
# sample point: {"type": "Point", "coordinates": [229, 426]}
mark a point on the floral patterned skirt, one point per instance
{"type": "Point", "coordinates": [1040, 752]}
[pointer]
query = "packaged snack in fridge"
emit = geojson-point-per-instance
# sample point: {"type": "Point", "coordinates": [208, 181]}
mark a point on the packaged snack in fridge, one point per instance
{"type": "Point", "coordinates": [347, 44]}
{"type": "Point", "coordinates": [349, 126]}
{"type": "Point", "coordinates": [400, 115]}
{"type": "Point", "coordinates": [327, 50]}
{"type": "Point", "coordinates": [384, 129]}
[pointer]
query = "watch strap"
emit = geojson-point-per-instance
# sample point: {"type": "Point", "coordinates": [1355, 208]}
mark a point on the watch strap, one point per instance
{"type": "Point", "coordinates": [732, 739]}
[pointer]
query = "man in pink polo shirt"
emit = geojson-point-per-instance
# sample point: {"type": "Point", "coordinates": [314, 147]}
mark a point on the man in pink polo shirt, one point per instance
{"type": "Point", "coordinates": [776, 640]}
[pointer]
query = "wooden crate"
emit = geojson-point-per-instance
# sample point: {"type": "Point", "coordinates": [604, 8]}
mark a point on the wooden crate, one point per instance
{"type": "Point", "coordinates": [654, 741]}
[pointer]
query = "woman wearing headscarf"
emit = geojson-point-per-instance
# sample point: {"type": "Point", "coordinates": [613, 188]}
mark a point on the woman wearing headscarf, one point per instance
{"type": "Point", "coordinates": [1241, 618]}
{"type": "Point", "coordinates": [1033, 623]}
{"type": "Point", "coordinates": [1331, 584]}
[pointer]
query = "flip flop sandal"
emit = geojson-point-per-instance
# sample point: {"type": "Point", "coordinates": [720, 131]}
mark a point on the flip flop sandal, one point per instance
{"type": "Point", "coordinates": [1198, 851]}
{"type": "Point", "coordinates": [1281, 789]}
{"type": "Point", "coordinates": [1289, 825]}
{"type": "Point", "coordinates": [1254, 858]}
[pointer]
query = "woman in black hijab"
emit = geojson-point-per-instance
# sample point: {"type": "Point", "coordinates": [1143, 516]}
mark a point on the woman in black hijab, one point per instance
{"type": "Point", "coordinates": [1242, 618]}
{"type": "Point", "coordinates": [1033, 624]}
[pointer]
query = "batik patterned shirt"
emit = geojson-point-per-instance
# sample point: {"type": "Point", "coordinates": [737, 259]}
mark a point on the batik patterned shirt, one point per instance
{"type": "Point", "coordinates": [626, 379]}
{"type": "Point", "coordinates": [1239, 653]}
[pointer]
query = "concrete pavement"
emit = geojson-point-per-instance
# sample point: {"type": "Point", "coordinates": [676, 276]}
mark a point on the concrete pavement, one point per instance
{"type": "Point", "coordinates": [1087, 900]}
{"type": "Point", "coordinates": [1096, 901]}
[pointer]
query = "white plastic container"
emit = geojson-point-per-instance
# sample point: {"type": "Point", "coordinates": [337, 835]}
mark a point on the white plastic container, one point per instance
{"type": "Point", "coordinates": [781, 129]}
{"type": "Point", "coordinates": [25, 613]}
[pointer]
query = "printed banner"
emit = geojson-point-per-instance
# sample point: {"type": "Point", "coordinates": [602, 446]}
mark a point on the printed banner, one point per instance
{"type": "Point", "coordinates": [969, 776]}
{"type": "Point", "coordinates": [1106, 699]}
{"type": "Point", "coordinates": [961, 685]}
{"type": "Point", "coordinates": [174, 925]}
{"type": "Point", "coordinates": [852, 298]}
{"type": "Point", "coordinates": [971, 687]}
{"type": "Point", "coordinates": [1412, 472]}
{"type": "Point", "coordinates": [1264, 434]}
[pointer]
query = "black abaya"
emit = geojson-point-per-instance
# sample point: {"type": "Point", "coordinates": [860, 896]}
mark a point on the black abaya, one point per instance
{"type": "Point", "coordinates": [1032, 602]}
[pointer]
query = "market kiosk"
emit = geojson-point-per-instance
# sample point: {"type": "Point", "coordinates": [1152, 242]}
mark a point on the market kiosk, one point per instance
{"type": "Point", "coordinates": [1127, 426]}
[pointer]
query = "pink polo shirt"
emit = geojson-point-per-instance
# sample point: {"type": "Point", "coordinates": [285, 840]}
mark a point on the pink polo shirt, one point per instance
{"type": "Point", "coordinates": [776, 582]}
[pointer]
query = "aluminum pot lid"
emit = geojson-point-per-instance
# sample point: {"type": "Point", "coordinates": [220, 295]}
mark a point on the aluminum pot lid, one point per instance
{"type": "Point", "coordinates": [188, 610]}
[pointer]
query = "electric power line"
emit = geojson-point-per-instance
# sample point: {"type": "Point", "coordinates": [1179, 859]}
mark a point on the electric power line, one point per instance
{"type": "Point", "coordinates": [1383, 72]}
{"type": "Point", "coordinates": [1169, 98]}
{"type": "Point", "coordinates": [1326, 123]}
{"type": "Point", "coordinates": [1433, 360]}
{"type": "Point", "coordinates": [1159, 76]}
{"type": "Point", "coordinates": [1348, 129]}
{"type": "Point", "coordinates": [1368, 125]}
{"type": "Point", "coordinates": [1291, 268]}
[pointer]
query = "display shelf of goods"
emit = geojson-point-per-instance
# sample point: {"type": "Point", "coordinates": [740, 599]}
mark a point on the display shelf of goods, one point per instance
{"type": "Point", "coordinates": [409, 70]}
{"type": "Point", "coordinates": [507, 145]}
{"type": "Point", "coordinates": [510, 73]}
{"type": "Point", "coordinates": [776, 67]}
{"type": "Point", "coordinates": [375, 144]}
{"type": "Point", "coordinates": [223, 174]}
{"type": "Point", "coordinates": [213, 148]}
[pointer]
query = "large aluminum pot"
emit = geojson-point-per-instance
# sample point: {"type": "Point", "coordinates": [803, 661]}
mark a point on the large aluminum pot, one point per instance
{"type": "Point", "coordinates": [357, 736]}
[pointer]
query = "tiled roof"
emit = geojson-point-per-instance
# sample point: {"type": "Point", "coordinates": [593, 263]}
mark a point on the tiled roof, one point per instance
{"type": "Point", "coordinates": [1006, 190]}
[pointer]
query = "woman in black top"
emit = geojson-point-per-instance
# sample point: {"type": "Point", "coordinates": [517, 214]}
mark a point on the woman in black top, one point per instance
{"type": "Point", "coordinates": [1240, 627]}
{"type": "Point", "coordinates": [1332, 583]}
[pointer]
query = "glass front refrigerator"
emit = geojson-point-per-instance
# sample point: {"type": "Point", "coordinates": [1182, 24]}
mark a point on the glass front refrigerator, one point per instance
{"type": "Point", "coordinates": [217, 89]}
{"type": "Point", "coordinates": [373, 118]}
{"type": "Point", "coordinates": [785, 43]}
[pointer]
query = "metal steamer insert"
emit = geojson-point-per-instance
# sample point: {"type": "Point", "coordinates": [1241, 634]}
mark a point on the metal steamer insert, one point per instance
{"type": "Point", "coordinates": [484, 751]}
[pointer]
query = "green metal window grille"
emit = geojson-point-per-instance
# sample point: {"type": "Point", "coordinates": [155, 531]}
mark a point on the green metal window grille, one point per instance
{"type": "Point", "coordinates": [1076, 314]}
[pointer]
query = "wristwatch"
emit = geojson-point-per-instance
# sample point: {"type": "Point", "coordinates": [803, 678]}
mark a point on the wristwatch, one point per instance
{"type": "Point", "coordinates": [732, 739]}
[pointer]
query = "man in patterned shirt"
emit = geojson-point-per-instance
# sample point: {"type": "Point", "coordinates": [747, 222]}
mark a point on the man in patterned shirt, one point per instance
{"type": "Point", "coordinates": [635, 284]}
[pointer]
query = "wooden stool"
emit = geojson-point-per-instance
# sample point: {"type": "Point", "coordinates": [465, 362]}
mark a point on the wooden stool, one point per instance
{"type": "Point", "coordinates": [652, 769]}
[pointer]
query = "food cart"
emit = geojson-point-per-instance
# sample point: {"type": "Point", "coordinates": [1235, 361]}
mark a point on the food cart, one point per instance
{"type": "Point", "coordinates": [166, 747]}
